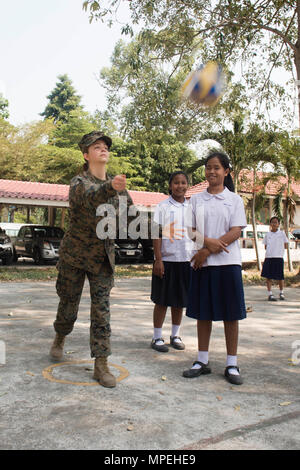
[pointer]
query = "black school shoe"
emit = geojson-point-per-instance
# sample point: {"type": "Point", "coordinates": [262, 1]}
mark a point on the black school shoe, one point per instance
{"type": "Point", "coordinates": [177, 344]}
{"type": "Point", "coordinates": [272, 298]}
{"type": "Point", "coordinates": [233, 379]}
{"type": "Point", "coordinates": [159, 347]}
{"type": "Point", "coordinates": [191, 373]}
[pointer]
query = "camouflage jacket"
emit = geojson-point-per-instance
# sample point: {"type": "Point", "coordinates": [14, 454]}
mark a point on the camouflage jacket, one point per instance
{"type": "Point", "coordinates": [81, 246]}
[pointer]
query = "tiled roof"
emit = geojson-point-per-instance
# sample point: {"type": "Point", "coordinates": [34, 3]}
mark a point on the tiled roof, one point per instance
{"type": "Point", "coordinates": [146, 198]}
{"type": "Point", "coordinates": [60, 192]}
{"type": "Point", "coordinates": [30, 190]}
{"type": "Point", "coordinates": [271, 187]}
{"type": "Point", "coordinates": [246, 184]}
{"type": "Point", "coordinates": [198, 188]}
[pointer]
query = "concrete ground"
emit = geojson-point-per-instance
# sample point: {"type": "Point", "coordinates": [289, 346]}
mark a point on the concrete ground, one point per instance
{"type": "Point", "coordinates": [45, 405]}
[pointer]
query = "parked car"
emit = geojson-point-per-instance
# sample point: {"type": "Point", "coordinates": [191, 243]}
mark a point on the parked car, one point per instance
{"type": "Point", "coordinates": [39, 242]}
{"type": "Point", "coordinates": [12, 230]}
{"type": "Point", "coordinates": [128, 250]}
{"type": "Point", "coordinates": [148, 251]}
{"type": "Point", "coordinates": [6, 247]}
{"type": "Point", "coordinates": [296, 234]}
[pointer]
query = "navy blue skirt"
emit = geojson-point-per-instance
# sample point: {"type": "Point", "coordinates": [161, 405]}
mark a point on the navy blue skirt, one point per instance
{"type": "Point", "coordinates": [172, 290]}
{"type": "Point", "coordinates": [216, 293]}
{"type": "Point", "coordinates": [273, 268]}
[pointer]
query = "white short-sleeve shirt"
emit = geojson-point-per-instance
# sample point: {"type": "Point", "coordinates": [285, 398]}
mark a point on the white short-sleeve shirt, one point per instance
{"type": "Point", "coordinates": [168, 211]}
{"type": "Point", "coordinates": [274, 241]}
{"type": "Point", "coordinates": [220, 212]}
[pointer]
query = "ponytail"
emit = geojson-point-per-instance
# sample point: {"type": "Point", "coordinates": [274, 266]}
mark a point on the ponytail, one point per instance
{"type": "Point", "coordinates": [228, 183]}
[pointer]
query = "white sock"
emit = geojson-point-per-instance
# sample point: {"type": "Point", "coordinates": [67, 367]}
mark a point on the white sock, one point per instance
{"type": "Point", "coordinates": [270, 292]}
{"type": "Point", "coordinates": [158, 334]}
{"type": "Point", "coordinates": [281, 292]}
{"type": "Point", "coordinates": [175, 330]}
{"type": "Point", "coordinates": [202, 357]}
{"type": "Point", "coordinates": [232, 361]}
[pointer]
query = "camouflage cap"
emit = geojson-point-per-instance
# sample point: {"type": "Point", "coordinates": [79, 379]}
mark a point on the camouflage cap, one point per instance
{"type": "Point", "coordinates": [91, 138]}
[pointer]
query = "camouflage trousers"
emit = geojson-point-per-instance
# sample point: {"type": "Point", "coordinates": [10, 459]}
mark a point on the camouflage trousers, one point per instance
{"type": "Point", "coordinates": [69, 286]}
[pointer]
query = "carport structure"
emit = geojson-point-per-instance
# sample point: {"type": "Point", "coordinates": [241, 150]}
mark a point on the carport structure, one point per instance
{"type": "Point", "coordinates": [32, 194]}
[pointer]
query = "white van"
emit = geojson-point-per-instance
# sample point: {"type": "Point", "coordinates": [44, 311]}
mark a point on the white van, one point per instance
{"type": "Point", "coordinates": [247, 235]}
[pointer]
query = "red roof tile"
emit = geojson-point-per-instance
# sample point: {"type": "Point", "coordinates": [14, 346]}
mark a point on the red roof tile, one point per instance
{"type": "Point", "coordinates": [146, 198]}
{"type": "Point", "coordinates": [246, 184]}
{"type": "Point", "coordinates": [32, 190]}
{"type": "Point", "coordinates": [60, 192]}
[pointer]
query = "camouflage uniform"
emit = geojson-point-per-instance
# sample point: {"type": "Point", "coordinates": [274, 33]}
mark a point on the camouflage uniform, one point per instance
{"type": "Point", "coordinates": [83, 253]}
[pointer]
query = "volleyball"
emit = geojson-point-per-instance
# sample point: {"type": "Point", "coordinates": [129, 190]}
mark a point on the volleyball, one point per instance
{"type": "Point", "coordinates": [205, 85]}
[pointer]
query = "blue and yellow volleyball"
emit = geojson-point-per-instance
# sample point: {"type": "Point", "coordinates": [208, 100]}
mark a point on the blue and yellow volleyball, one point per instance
{"type": "Point", "coordinates": [206, 85]}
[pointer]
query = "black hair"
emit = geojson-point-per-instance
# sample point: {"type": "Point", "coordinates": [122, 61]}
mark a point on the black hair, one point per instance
{"type": "Point", "coordinates": [274, 217]}
{"type": "Point", "coordinates": [175, 173]}
{"type": "Point", "coordinates": [225, 162]}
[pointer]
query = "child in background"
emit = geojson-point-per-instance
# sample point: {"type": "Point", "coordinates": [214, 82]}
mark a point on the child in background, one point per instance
{"type": "Point", "coordinates": [275, 243]}
{"type": "Point", "coordinates": [216, 291]}
{"type": "Point", "coordinates": [171, 269]}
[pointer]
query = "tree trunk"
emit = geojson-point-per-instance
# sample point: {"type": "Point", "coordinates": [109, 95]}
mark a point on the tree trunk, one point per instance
{"type": "Point", "coordinates": [297, 60]}
{"type": "Point", "coordinates": [254, 223]}
{"type": "Point", "coordinates": [287, 226]}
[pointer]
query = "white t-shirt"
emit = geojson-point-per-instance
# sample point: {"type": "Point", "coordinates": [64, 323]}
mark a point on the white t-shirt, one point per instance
{"type": "Point", "coordinates": [274, 241]}
{"type": "Point", "coordinates": [220, 212]}
{"type": "Point", "coordinates": [168, 211]}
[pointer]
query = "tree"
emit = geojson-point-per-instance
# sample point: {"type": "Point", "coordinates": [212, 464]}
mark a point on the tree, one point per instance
{"type": "Point", "coordinates": [144, 98]}
{"type": "Point", "coordinates": [67, 134]}
{"type": "Point", "coordinates": [260, 35]}
{"type": "Point", "coordinates": [4, 114]}
{"type": "Point", "coordinates": [62, 101]}
{"type": "Point", "coordinates": [288, 151]}
{"type": "Point", "coordinates": [7, 159]}
{"type": "Point", "coordinates": [258, 149]}
{"type": "Point", "coordinates": [144, 94]}
{"type": "Point", "coordinates": [233, 139]}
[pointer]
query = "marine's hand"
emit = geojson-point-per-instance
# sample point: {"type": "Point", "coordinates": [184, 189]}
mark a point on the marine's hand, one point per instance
{"type": "Point", "coordinates": [158, 268]}
{"type": "Point", "coordinates": [119, 183]}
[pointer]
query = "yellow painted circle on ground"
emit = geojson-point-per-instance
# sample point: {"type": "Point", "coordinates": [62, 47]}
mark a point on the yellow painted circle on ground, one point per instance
{"type": "Point", "coordinates": [47, 373]}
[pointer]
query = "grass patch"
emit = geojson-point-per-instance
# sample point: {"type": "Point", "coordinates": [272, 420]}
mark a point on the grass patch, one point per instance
{"type": "Point", "coordinates": [251, 276]}
{"type": "Point", "coordinates": [27, 274]}
{"type": "Point", "coordinates": [49, 273]}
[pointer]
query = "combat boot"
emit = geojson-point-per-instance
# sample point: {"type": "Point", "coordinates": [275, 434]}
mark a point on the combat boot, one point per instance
{"type": "Point", "coordinates": [102, 373]}
{"type": "Point", "coordinates": [56, 351]}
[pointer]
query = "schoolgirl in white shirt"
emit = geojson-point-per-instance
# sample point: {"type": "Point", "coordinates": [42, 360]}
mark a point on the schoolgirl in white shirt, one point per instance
{"type": "Point", "coordinates": [171, 269]}
{"type": "Point", "coordinates": [275, 242]}
{"type": "Point", "coordinates": [216, 290]}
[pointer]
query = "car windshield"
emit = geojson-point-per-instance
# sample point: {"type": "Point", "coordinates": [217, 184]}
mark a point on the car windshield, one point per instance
{"type": "Point", "coordinates": [12, 232]}
{"type": "Point", "coordinates": [51, 232]}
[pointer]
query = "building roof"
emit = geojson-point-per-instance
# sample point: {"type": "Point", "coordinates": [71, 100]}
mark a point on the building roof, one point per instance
{"type": "Point", "coordinates": [32, 190]}
{"type": "Point", "coordinates": [53, 194]}
{"type": "Point", "coordinates": [246, 184]}
{"type": "Point", "coordinates": [33, 193]}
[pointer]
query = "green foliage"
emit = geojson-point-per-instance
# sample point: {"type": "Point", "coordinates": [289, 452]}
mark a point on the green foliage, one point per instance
{"type": "Point", "coordinates": [254, 38]}
{"type": "Point", "coordinates": [4, 114]}
{"type": "Point", "coordinates": [67, 134]}
{"type": "Point", "coordinates": [62, 101]}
